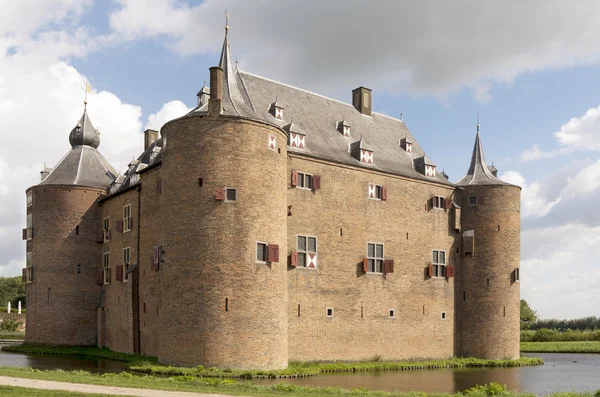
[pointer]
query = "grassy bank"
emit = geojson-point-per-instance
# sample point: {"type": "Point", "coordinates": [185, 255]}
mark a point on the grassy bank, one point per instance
{"type": "Point", "coordinates": [561, 347]}
{"type": "Point", "coordinates": [79, 352]}
{"type": "Point", "coordinates": [554, 335]}
{"type": "Point", "coordinates": [11, 391]}
{"type": "Point", "coordinates": [232, 387]}
{"type": "Point", "coordinates": [12, 335]}
{"type": "Point", "coordinates": [149, 365]}
{"type": "Point", "coordinates": [315, 368]}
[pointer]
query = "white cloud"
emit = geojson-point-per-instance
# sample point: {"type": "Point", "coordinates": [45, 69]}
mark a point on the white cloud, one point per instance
{"type": "Point", "coordinates": [533, 204]}
{"type": "Point", "coordinates": [169, 111]}
{"type": "Point", "coordinates": [427, 47]}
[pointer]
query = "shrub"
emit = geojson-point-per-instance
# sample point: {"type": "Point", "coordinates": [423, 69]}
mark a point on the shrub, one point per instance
{"type": "Point", "coordinates": [597, 393]}
{"type": "Point", "coordinates": [10, 325]}
{"type": "Point", "coordinates": [493, 389]}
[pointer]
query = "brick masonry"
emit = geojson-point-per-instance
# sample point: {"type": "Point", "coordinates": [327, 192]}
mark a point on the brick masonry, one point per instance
{"type": "Point", "coordinates": [210, 302]}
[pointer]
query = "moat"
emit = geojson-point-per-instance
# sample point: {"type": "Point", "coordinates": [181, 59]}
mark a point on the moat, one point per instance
{"type": "Point", "coordinates": [561, 373]}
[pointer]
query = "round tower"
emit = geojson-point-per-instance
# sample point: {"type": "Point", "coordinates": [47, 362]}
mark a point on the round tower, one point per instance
{"type": "Point", "coordinates": [224, 200]}
{"type": "Point", "coordinates": [488, 293]}
{"type": "Point", "coordinates": [63, 252]}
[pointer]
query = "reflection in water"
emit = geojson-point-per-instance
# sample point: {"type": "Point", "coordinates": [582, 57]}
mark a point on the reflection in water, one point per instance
{"type": "Point", "coordinates": [57, 362]}
{"type": "Point", "coordinates": [561, 373]}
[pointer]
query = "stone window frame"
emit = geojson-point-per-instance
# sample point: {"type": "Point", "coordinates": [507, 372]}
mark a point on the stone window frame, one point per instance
{"type": "Point", "coordinates": [378, 191]}
{"type": "Point", "coordinates": [265, 252]}
{"type": "Point", "coordinates": [126, 262]}
{"type": "Point", "coordinates": [235, 193]}
{"type": "Point", "coordinates": [472, 203]}
{"type": "Point", "coordinates": [439, 267]}
{"type": "Point", "coordinates": [106, 229]}
{"type": "Point", "coordinates": [438, 202]}
{"type": "Point", "coordinates": [305, 176]}
{"type": "Point", "coordinates": [29, 199]}
{"type": "Point", "coordinates": [29, 226]}
{"type": "Point", "coordinates": [305, 252]}
{"type": "Point", "coordinates": [126, 210]}
{"type": "Point", "coordinates": [106, 268]}
{"type": "Point", "coordinates": [375, 258]}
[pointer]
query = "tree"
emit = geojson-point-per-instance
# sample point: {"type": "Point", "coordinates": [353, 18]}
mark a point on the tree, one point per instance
{"type": "Point", "coordinates": [12, 289]}
{"type": "Point", "coordinates": [528, 315]}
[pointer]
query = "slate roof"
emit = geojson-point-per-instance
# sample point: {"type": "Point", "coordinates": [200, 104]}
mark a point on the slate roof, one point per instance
{"type": "Point", "coordinates": [479, 173]}
{"type": "Point", "coordinates": [251, 96]}
{"type": "Point", "coordinates": [83, 165]}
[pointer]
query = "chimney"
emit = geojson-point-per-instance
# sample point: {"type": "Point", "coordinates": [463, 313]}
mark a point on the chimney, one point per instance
{"type": "Point", "coordinates": [150, 136]}
{"type": "Point", "coordinates": [361, 99]}
{"type": "Point", "coordinates": [45, 172]}
{"type": "Point", "coordinates": [216, 94]}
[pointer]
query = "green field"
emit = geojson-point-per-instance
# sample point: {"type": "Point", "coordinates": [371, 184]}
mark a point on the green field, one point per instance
{"type": "Point", "coordinates": [11, 391]}
{"type": "Point", "coordinates": [560, 347]}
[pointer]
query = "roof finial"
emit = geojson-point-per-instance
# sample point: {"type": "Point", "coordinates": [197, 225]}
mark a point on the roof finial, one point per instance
{"type": "Point", "coordinates": [226, 21]}
{"type": "Point", "coordinates": [478, 123]}
{"type": "Point", "coordinates": [87, 88]}
{"type": "Point", "coordinates": [402, 117]}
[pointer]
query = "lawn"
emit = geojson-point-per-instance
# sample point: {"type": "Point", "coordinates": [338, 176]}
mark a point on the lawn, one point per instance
{"type": "Point", "coordinates": [561, 347]}
{"type": "Point", "coordinates": [10, 391]}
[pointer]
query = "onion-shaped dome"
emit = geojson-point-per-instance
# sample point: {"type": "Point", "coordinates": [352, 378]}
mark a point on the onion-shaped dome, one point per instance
{"type": "Point", "coordinates": [84, 133]}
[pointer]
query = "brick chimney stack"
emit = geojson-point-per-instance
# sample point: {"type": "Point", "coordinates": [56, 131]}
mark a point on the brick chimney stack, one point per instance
{"type": "Point", "coordinates": [216, 94]}
{"type": "Point", "coordinates": [361, 99]}
{"type": "Point", "coordinates": [150, 136]}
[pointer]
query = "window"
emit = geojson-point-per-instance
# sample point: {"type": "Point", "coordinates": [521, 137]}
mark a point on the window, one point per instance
{"type": "Point", "coordinates": [517, 275]}
{"type": "Point", "coordinates": [472, 201]}
{"type": "Point", "coordinates": [29, 199]}
{"type": "Point", "coordinates": [127, 218]}
{"type": "Point", "coordinates": [261, 252]}
{"type": "Point", "coordinates": [439, 202]}
{"type": "Point", "coordinates": [28, 259]}
{"type": "Point", "coordinates": [408, 147]}
{"type": "Point", "coordinates": [392, 313]}
{"type": "Point", "coordinates": [329, 312]}
{"type": "Point", "coordinates": [29, 227]}
{"type": "Point", "coordinates": [375, 257]}
{"type": "Point", "coordinates": [106, 229]}
{"type": "Point", "coordinates": [231, 194]}
{"type": "Point", "coordinates": [439, 263]}
{"type": "Point", "coordinates": [443, 315]}
{"type": "Point", "coordinates": [126, 261]}
{"type": "Point", "coordinates": [307, 251]}
{"type": "Point", "coordinates": [305, 180]}
{"type": "Point", "coordinates": [106, 267]}
{"type": "Point", "coordinates": [377, 192]}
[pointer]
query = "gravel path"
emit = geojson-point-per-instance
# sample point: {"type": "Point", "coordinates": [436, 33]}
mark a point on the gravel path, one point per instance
{"type": "Point", "coordinates": [108, 390]}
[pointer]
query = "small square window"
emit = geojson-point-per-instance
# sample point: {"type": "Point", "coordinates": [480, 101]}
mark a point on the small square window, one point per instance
{"type": "Point", "coordinates": [392, 313]}
{"type": "Point", "coordinates": [305, 180]}
{"type": "Point", "coordinates": [439, 202]}
{"type": "Point", "coordinates": [261, 252]}
{"type": "Point", "coordinates": [231, 194]}
{"type": "Point", "coordinates": [472, 201]}
{"type": "Point", "coordinates": [329, 312]}
{"type": "Point", "coordinates": [443, 315]}
{"type": "Point", "coordinates": [375, 192]}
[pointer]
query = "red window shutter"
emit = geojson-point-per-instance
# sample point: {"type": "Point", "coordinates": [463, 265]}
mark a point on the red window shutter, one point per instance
{"type": "Point", "coordinates": [220, 194]}
{"type": "Point", "coordinates": [384, 193]}
{"type": "Point", "coordinates": [448, 203]}
{"type": "Point", "coordinates": [294, 259]}
{"type": "Point", "coordinates": [24, 277]}
{"type": "Point", "coordinates": [388, 266]}
{"type": "Point", "coordinates": [273, 253]}
{"type": "Point", "coordinates": [430, 272]}
{"type": "Point", "coordinates": [24, 234]}
{"type": "Point", "coordinates": [316, 182]}
{"type": "Point", "coordinates": [99, 277]}
{"type": "Point", "coordinates": [294, 181]}
{"type": "Point", "coordinates": [119, 226]}
{"type": "Point", "coordinates": [365, 265]}
{"type": "Point", "coordinates": [449, 271]}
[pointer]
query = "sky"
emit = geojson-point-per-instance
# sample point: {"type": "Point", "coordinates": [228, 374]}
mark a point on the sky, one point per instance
{"type": "Point", "coordinates": [529, 69]}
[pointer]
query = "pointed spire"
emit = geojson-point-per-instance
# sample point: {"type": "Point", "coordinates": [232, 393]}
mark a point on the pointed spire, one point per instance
{"type": "Point", "coordinates": [230, 86]}
{"type": "Point", "coordinates": [479, 173]}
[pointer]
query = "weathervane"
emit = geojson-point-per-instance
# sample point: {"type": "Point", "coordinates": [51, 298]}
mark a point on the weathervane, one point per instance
{"type": "Point", "coordinates": [226, 21]}
{"type": "Point", "coordinates": [87, 88]}
{"type": "Point", "coordinates": [477, 122]}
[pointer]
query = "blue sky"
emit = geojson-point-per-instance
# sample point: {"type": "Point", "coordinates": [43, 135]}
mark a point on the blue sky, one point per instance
{"type": "Point", "coordinates": [529, 70]}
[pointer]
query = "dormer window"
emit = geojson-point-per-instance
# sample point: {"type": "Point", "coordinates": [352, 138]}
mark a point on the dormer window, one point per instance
{"type": "Point", "coordinates": [276, 110]}
{"type": "Point", "coordinates": [344, 128]}
{"type": "Point", "coordinates": [297, 140]}
{"type": "Point", "coordinates": [360, 151]}
{"type": "Point", "coordinates": [430, 171]}
{"type": "Point", "coordinates": [366, 156]}
{"type": "Point", "coordinates": [406, 145]}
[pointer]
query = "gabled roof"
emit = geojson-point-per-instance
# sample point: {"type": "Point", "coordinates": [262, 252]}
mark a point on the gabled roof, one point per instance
{"type": "Point", "coordinates": [83, 165]}
{"type": "Point", "coordinates": [479, 173]}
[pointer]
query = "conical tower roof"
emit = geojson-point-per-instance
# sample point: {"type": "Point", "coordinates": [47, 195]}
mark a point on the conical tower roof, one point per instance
{"type": "Point", "coordinates": [479, 173]}
{"type": "Point", "coordinates": [83, 165]}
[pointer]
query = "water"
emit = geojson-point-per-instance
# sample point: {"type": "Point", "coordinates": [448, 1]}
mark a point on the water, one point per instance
{"type": "Point", "coordinates": [97, 365]}
{"type": "Point", "coordinates": [560, 373]}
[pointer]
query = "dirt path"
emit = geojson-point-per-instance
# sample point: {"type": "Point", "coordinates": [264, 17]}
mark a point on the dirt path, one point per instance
{"type": "Point", "coordinates": [108, 390]}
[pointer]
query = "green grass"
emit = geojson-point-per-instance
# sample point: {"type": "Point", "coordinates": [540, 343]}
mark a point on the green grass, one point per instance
{"type": "Point", "coordinates": [555, 335]}
{"type": "Point", "coordinates": [247, 388]}
{"type": "Point", "coordinates": [11, 391]}
{"type": "Point", "coordinates": [12, 335]}
{"type": "Point", "coordinates": [561, 347]}
{"type": "Point", "coordinates": [296, 369]}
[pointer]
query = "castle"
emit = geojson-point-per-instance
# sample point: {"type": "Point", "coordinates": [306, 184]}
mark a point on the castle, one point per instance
{"type": "Point", "coordinates": [272, 224]}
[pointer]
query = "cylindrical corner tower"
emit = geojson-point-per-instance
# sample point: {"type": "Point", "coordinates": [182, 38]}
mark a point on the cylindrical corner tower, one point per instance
{"type": "Point", "coordinates": [224, 199]}
{"type": "Point", "coordinates": [63, 253]}
{"type": "Point", "coordinates": [488, 289]}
